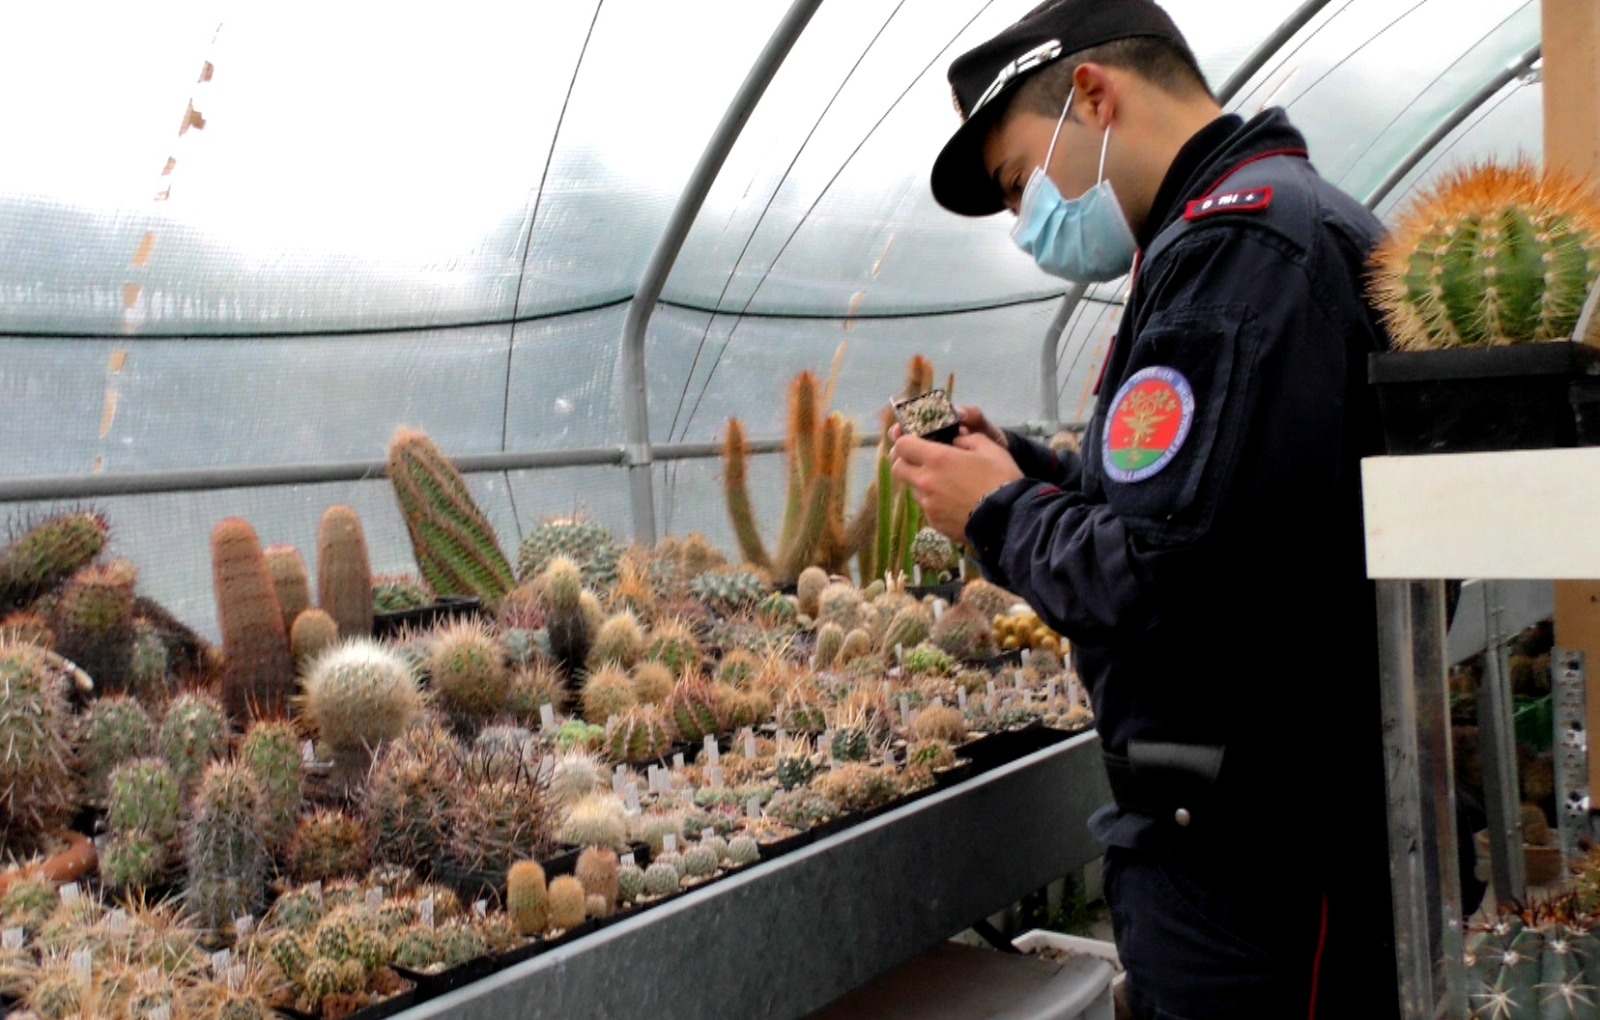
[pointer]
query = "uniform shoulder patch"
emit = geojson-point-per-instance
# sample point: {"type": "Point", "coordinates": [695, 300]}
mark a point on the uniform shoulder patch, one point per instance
{"type": "Point", "coordinates": [1253, 200]}
{"type": "Point", "coordinates": [1148, 423]}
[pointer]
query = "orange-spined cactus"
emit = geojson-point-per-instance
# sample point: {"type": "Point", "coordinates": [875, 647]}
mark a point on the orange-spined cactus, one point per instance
{"type": "Point", "coordinates": [258, 669]}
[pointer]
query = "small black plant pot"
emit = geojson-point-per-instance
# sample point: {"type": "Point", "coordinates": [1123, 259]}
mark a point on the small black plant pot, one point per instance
{"type": "Point", "coordinates": [389, 624]}
{"type": "Point", "coordinates": [928, 415]}
{"type": "Point", "coordinates": [431, 986]}
{"type": "Point", "coordinates": [1479, 399]}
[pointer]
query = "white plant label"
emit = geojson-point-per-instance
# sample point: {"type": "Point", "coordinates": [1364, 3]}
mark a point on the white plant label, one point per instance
{"type": "Point", "coordinates": [938, 610]}
{"type": "Point", "coordinates": [426, 911]}
{"type": "Point", "coordinates": [1017, 676]}
{"type": "Point", "coordinates": [707, 833]}
{"type": "Point", "coordinates": [617, 779]}
{"type": "Point", "coordinates": [117, 920]}
{"type": "Point", "coordinates": [713, 753]}
{"type": "Point", "coordinates": [749, 744]}
{"type": "Point", "coordinates": [159, 1013]}
{"type": "Point", "coordinates": [993, 704]}
{"type": "Point", "coordinates": [633, 798]}
{"type": "Point", "coordinates": [899, 654]}
{"type": "Point", "coordinates": [12, 938]}
{"type": "Point", "coordinates": [781, 735]}
{"type": "Point", "coordinates": [308, 752]}
{"type": "Point", "coordinates": [905, 708]}
{"type": "Point", "coordinates": [677, 760]}
{"type": "Point", "coordinates": [1025, 655]}
{"type": "Point", "coordinates": [991, 690]}
{"type": "Point", "coordinates": [629, 859]}
{"type": "Point", "coordinates": [547, 716]}
{"type": "Point", "coordinates": [82, 964]}
{"type": "Point", "coordinates": [961, 698]}
{"type": "Point", "coordinates": [480, 908]}
{"type": "Point", "coordinates": [752, 807]}
{"type": "Point", "coordinates": [221, 960]}
{"type": "Point", "coordinates": [374, 898]}
{"type": "Point", "coordinates": [71, 892]}
{"type": "Point", "coordinates": [714, 777]}
{"type": "Point", "coordinates": [316, 889]}
{"type": "Point", "coordinates": [669, 844]}
{"type": "Point", "coordinates": [243, 925]}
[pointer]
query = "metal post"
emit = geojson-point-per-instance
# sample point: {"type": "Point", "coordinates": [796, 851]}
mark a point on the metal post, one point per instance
{"type": "Point", "coordinates": [1498, 745]}
{"type": "Point", "coordinates": [1049, 358]}
{"type": "Point", "coordinates": [1571, 752]}
{"type": "Point", "coordinates": [636, 397]}
{"type": "Point", "coordinates": [1423, 863]}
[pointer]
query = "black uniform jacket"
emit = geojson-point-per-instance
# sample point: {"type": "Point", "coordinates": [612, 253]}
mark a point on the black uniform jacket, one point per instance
{"type": "Point", "coordinates": [1204, 553]}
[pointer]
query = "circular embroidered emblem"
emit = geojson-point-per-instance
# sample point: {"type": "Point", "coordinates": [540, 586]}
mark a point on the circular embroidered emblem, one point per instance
{"type": "Point", "coordinates": [1148, 423]}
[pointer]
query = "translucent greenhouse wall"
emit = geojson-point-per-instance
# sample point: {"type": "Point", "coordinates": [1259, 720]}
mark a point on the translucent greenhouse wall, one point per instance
{"type": "Point", "coordinates": [242, 235]}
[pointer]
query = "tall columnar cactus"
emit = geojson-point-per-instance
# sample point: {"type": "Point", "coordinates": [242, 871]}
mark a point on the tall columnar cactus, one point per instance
{"type": "Point", "coordinates": [1492, 255]}
{"type": "Point", "coordinates": [290, 580]}
{"type": "Point", "coordinates": [47, 553]}
{"type": "Point", "coordinates": [455, 546]}
{"type": "Point", "coordinates": [258, 671]}
{"type": "Point", "coordinates": [36, 782]}
{"type": "Point", "coordinates": [814, 529]}
{"type": "Point", "coordinates": [113, 730]}
{"type": "Point", "coordinates": [467, 670]}
{"type": "Point", "coordinates": [570, 628]}
{"type": "Point", "coordinates": [193, 734]}
{"type": "Point", "coordinates": [272, 750]}
{"type": "Point", "coordinates": [526, 899]}
{"type": "Point", "coordinates": [223, 849]}
{"type": "Point", "coordinates": [344, 574]}
{"type": "Point", "coordinates": [93, 622]}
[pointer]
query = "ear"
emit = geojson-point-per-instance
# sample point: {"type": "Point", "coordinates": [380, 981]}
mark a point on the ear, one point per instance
{"type": "Point", "coordinates": [1096, 92]}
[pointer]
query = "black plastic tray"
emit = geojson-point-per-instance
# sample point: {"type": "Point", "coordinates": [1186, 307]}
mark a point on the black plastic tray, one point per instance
{"type": "Point", "coordinates": [389, 624]}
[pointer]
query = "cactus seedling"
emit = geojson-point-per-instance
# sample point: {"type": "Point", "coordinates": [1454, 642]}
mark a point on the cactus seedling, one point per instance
{"type": "Point", "coordinates": [939, 723]}
{"type": "Point", "coordinates": [144, 796]}
{"type": "Point", "coordinates": [568, 903]}
{"type": "Point", "coordinates": [661, 880]}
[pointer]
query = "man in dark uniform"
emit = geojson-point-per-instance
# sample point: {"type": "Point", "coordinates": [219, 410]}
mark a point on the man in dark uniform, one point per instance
{"type": "Point", "coordinates": [1204, 552]}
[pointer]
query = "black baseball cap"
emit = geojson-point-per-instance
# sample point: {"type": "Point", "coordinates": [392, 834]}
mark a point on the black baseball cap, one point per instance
{"type": "Point", "coordinates": [984, 78]}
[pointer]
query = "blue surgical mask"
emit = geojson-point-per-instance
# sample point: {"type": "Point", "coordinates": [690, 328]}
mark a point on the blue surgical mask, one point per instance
{"type": "Point", "coordinates": [1087, 239]}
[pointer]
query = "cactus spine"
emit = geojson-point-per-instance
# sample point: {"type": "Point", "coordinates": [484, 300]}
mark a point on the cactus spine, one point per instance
{"type": "Point", "coordinates": [94, 623]}
{"type": "Point", "coordinates": [468, 673]}
{"type": "Point", "coordinates": [46, 554]}
{"type": "Point", "coordinates": [290, 581]}
{"type": "Point", "coordinates": [526, 899]}
{"type": "Point", "coordinates": [36, 784]}
{"type": "Point", "coordinates": [272, 751]}
{"type": "Point", "coordinates": [455, 546]}
{"type": "Point", "coordinates": [568, 906]}
{"type": "Point", "coordinates": [258, 674]}
{"type": "Point", "coordinates": [344, 574]}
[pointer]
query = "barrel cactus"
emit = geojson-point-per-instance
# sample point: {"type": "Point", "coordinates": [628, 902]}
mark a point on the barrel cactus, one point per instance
{"type": "Point", "coordinates": [587, 543]}
{"type": "Point", "coordinates": [42, 555]}
{"type": "Point", "coordinates": [113, 730]}
{"type": "Point", "coordinates": [36, 784]}
{"type": "Point", "coordinates": [1492, 255]}
{"type": "Point", "coordinates": [468, 673]}
{"type": "Point", "coordinates": [359, 694]}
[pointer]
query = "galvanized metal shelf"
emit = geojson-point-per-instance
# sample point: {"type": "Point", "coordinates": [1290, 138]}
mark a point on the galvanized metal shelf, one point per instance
{"type": "Point", "coordinates": [790, 935]}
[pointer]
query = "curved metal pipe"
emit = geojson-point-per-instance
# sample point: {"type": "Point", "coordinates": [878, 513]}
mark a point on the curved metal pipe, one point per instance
{"type": "Point", "coordinates": [1269, 46]}
{"type": "Point", "coordinates": [1513, 71]}
{"type": "Point", "coordinates": [636, 398]}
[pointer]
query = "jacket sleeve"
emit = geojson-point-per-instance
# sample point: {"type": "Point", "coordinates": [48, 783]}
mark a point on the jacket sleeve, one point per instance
{"type": "Point", "coordinates": [1038, 460]}
{"type": "Point", "coordinates": [1101, 564]}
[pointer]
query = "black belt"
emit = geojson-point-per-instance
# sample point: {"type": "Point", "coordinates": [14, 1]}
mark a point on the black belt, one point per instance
{"type": "Point", "coordinates": [1164, 780]}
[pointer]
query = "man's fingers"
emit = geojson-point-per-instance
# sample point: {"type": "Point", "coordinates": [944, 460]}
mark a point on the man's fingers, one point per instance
{"type": "Point", "coordinates": [913, 450]}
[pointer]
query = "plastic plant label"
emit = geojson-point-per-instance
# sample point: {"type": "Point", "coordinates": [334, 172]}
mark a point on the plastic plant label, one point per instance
{"type": "Point", "coordinates": [159, 1013]}
{"type": "Point", "coordinates": [707, 833]}
{"type": "Point", "coordinates": [749, 744]}
{"type": "Point", "coordinates": [752, 807]}
{"type": "Point", "coordinates": [993, 703]}
{"type": "Point", "coordinates": [1025, 655]}
{"type": "Point", "coordinates": [236, 976]}
{"type": "Point", "coordinates": [71, 892]}
{"type": "Point", "coordinates": [938, 609]}
{"type": "Point", "coordinates": [781, 735]}
{"type": "Point", "coordinates": [1017, 676]}
{"type": "Point", "coordinates": [827, 743]}
{"type": "Point", "coordinates": [617, 779]}
{"type": "Point", "coordinates": [632, 798]}
{"type": "Point", "coordinates": [12, 938]}
{"type": "Point", "coordinates": [425, 911]}
{"type": "Point", "coordinates": [992, 690]}
{"type": "Point", "coordinates": [677, 760]}
{"type": "Point", "coordinates": [669, 843]}
{"type": "Point", "coordinates": [888, 688]}
{"type": "Point", "coordinates": [547, 716]}
{"type": "Point", "coordinates": [308, 752]}
{"type": "Point", "coordinates": [961, 698]}
{"type": "Point", "coordinates": [117, 920]}
{"type": "Point", "coordinates": [714, 777]}
{"type": "Point", "coordinates": [221, 960]}
{"type": "Point", "coordinates": [375, 898]}
{"type": "Point", "coordinates": [713, 753]}
{"type": "Point", "coordinates": [316, 889]}
{"type": "Point", "coordinates": [629, 859]}
{"type": "Point", "coordinates": [82, 964]}
{"type": "Point", "coordinates": [480, 908]}
{"type": "Point", "coordinates": [905, 708]}
{"type": "Point", "coordinates": [243, 925]}
{"type": "Point", "coordinates": [899, 654]}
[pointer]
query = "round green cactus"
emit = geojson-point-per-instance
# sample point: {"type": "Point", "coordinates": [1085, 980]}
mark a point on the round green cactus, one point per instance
{"type": "Point", "coordinates": [37, 787]}
{"type": "Point", "coordinates": [661, 880]}
{"type": "Point", "coordinates": [743, 850]}
{"type": "Point", "coordinates": [194, 733]}
{"type": "Point", "coordinates": [728, 591]}
{"type": "Point", "coordinates": [1493, 255]}
{"type": "Point", "coordinates": [587, 543]}
{"type": "Point", "coordinates": [359, 694]}
{"type": "Point", "coordinates": [114, 730]}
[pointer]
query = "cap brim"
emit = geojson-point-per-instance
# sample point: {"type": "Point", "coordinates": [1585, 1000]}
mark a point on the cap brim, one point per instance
{"type": "Point", "coordinates": [960, 181]}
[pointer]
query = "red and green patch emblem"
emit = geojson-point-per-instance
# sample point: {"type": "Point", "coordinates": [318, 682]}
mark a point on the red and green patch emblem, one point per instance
{"type": "Point", "coordinates": [1148, 423]}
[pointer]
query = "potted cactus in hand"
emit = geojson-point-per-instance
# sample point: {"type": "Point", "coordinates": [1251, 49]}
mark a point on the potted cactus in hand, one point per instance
{"type": "Point", "coordinates": [1485, 287]}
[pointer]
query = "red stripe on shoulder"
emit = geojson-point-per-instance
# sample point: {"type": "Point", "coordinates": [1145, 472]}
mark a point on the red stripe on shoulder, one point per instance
{"type": "Point", "coordinates": [1253, 200]}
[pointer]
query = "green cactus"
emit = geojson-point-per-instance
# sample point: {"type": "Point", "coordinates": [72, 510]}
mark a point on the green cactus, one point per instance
{"type": "Point", "coordinates": [808, 590]}
{"type": "Point", "coordinates": [496, 822]}
{"type": "Point", "coordinates": [795, 764]}
{"type": "Point", "coordinates": [468, 673]}
{"type": "Point", "coordinates": [934, 553]}
{"type": "Point", "coordinates": [675, 646]}
{"type": "Point", "coordinates": [630, 883]}
{"type": "Point", "coordinates": [700, 862]}
{"type": "Point", "coordinates": [778, 611]}
{"type": "Point", "coordinates": [258, 671]}
{"type": "Point", "coordinates": [350, 933]}
{"type": "Point", "coordinates": [929, 660]}
{"type": "Point", "coordinates": [661, 880]}
{"type": "Point", "coordinates": [743, 850]}
{"type": "Point", "coordinates": [1492, 255]}
{"type": "Point", "coordinates": [93, 623]}
{"type": "Point", "coordinates": [344, 573]}
{"type": "Point", "coordinates": [455, 545]}
{"type": "Point", "coordinates": [396, 593]}
{"type": "Point", "coordinates": [313, 633]}
{"type": "Point", "coordinates": [132, 861]}
{"type": "Point", "coordinates": [830, 641]}
{"type": "Point", "coordinates": [570, 628]}
{"type": "Point", "coordinates": [728, 591]}
{"type": "Point", "coordinates": [271, 749]}
{"type": "Point", "coordinates": [359, 694]}
{"type": "Point", "coordinates": [598, 819]}
{"type": "Point", "coordinates": [694, 711]}
{"type": "Point", "coordinates": [223, 850]}
{"type": "Point", "coordinates": [193, 734]}
{"type": "Point", "coordinates": [321, 979]}
{"type": "Point", "coordinates": [47, 553]}
{"type": "Point", "coordinates": [149, 664]}
{"type": "Point", "coordinates": [145, 797]}
{"type": "Point", "coordinates": [840, 605]}
{"type": "Point", "coordinates": [799, 713]}
{"type": "Point", "coordinates": [113, 730]}
{"type": "Point", "coordinates": [37, 786]}
{"type": "Point", "coordinates": [619, 642]}
{"type": "Point", "coordinates": [637, 736]}
{"type": "Point", "coordinates": [587, 543]}
{"type": "Point", "coordinates": [290, 580]}
{"type": "Point", "coordinates": [526, 898]}
{"type": "Point", "coordinates": [909, 628]}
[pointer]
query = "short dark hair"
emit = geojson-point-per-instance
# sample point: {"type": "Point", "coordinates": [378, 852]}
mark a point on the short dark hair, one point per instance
{"type": "Point", "coordinates": [1171, 68]}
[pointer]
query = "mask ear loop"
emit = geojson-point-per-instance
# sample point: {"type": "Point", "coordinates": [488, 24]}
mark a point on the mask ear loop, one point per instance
{"type": "Point", "coordinates": [1100, 174]}
{"type": "Point", "coordinates": [1050, 152]}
